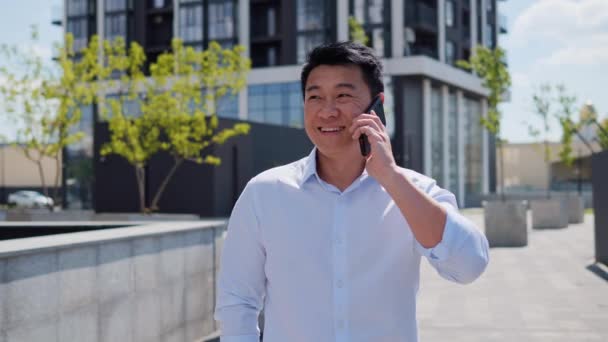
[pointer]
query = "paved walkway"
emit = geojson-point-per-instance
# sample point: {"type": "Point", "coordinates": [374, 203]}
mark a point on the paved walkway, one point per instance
{"type": "Point", "coordinates": [542, 292]}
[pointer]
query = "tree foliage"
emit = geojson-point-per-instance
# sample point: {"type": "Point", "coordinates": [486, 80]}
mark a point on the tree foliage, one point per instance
{"type": "Point", "coordinates": [174, 109]}
{"type": "Point", "coordinates": [489, 65]}
{"type": "Point", "coordinates": [44, 100]}
{"type": "Point", "coordinates": [356, 31]}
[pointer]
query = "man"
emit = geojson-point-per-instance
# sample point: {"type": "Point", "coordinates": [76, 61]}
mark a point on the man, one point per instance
{"type": "Point", "coordinates": [330, 245]}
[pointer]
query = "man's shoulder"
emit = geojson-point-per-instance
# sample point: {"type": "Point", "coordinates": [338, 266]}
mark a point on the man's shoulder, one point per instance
{"type": "Point", "coordinates": [288, 174]}
{"type": "Point", "coordinates": [423, 182]}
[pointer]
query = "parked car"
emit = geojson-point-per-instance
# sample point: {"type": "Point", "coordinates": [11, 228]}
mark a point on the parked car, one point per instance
{"type": "Point", "coordinates": [29, 199]}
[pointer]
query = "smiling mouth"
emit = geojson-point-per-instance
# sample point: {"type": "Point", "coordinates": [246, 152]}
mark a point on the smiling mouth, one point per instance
{"type": "Point", "coordinates": [331, 129]}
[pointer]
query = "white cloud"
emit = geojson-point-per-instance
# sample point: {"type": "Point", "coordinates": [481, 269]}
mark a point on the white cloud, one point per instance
{"type": "Point", "coordinates": [560, 21]}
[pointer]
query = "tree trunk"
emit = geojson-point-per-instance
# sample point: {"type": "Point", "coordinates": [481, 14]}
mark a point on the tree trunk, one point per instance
{"type": "Point", "coordinates": [45, 189]}
{"type": "Point", "coordinates": [502, 171]}
{"type": "Point", "coordinates": [548, 163]}
{"type": "Point", "coordinates": [57, 178]}
{"type": "Point", "coordinates": [141, 178]}
{"type": "Point", "coordinates": [163, 185]}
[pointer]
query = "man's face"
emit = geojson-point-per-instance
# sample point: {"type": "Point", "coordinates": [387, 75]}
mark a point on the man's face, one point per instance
{"type": "Point", "coordinates": [334, 96]}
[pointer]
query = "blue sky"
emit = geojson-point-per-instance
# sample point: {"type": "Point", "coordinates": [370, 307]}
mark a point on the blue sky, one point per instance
{"type": "Point", "coordinates": [556, 41]}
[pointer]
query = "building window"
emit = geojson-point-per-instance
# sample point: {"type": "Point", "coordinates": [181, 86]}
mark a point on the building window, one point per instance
{"type": "Point", "coordinates": [312, 25]}
{"type": "Point", "coordinates": [449, 13]}
{"type": "Point", "coordinates": [76, 7]}
{"type": "Point", "coordinates": [473, 152]}
{"type": "Point", "coordinates": [191, 23]}
{"type": "Point", "coordinates": [453, 132]}
{"type": "Point", "coordinates": [221, 22]}
{"type": "Point", "coordinates": [116, 5]}
{"type": "Point", "coordinates": [228, 106]}
{"type": "Point", "coordinates": [78, 28]}
{"type": "Point", "coordinates": [374, 16]}
{"type": "Point", "coordinates": [279, 104]}
{"type": "Point", "coordinates": [437, 136]}
{"type": "Point", "coordinates": [449, 52]}
{"type": "Point", "coordinates": [116, 26]}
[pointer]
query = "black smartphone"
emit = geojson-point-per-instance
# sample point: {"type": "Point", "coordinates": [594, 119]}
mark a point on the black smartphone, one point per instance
{"type": "Point", "coordinates": [378, 108]}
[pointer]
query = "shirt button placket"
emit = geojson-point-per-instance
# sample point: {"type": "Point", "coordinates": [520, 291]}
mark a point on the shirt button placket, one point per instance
{"type": "Point", "coordinates": [340, 286]}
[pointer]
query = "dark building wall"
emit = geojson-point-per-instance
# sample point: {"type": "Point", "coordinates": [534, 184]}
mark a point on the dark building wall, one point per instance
{"type": "Point", "coordinates": [599, 166]}
{"type": "Point", "coordinates": [199, 189]}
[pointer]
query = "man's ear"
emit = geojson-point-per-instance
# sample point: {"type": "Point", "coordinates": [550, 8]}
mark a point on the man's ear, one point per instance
{"type": "Point", "coordinates": [381, 97]}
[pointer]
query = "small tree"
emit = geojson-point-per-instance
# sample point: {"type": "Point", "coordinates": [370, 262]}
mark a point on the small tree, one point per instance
{"type": "Point", "coordinates": [357, 33]}
{"type": "Point", "coordinates": [564, 115]}
{"type": "Point", "coordinates": [489, 65]}
{"type": "Point", "coordinates": [173, 115]}
{"type": "Point", "coordinates": [542, 100]}
{"type": "Point", "coordinates": [44, 101]}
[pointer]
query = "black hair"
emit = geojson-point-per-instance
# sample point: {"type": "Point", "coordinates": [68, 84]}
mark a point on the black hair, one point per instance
{"type": "Point", "coordinates": [346, 53]}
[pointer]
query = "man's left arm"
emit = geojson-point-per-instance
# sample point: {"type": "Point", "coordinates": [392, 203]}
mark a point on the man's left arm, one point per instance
{"type": "Point", "coordinates": [451, 243]}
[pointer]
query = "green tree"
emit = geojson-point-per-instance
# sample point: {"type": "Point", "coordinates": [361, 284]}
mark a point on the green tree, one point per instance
{"type": "Point", "coordinates": [564, 115]}
{"type": "Point", "coordinates": [173, 114]}
{"type": "Point", "coordinates": [44, 101]}
{"type": "Point", "coordinates": [356, 31]}
{"type": "Point", "coordinates": [489, 65]}
{"type": "Point", "coordinates": [542, 100]}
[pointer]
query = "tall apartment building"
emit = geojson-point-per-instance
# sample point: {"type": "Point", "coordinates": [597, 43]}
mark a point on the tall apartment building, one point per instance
{"type": "Point", "coordinates": [433, 108]}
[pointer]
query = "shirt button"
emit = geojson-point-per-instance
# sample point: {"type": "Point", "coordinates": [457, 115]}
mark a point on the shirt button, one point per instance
{"type": "Point", "coordinates": [340, 284]}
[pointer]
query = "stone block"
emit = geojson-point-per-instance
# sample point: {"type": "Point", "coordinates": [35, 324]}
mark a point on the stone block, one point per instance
{"type": "Point", "coordinates": [196, 292]}
{"type": "Point", "coordinates": [146, 263]}
{"type": "Point", "coordinates": [77, 277]}
{"type": "Point", "coordinates": [172, 258]}
{"type": "Point", "coordinates": [115, 276]}
{"type": "Point", "coordinates": [2, 296]}
{"type": "Point", "coordinates": [172, 307]}
{"type": "Point", "coordinates": [198, 250]}
{"type": "Point", "coordinates": [506, 223]}
{"type": "Point", "coordinates": [116, 320]}
{"type": "Point", "coordinates": [147, 317]}
{"type": "Point", "coordinates": [45, 330]}
{"type": "Point", "coordinates": [79, 325]}
{"type": "Point", "coordinates": [31, 288]}
{"type": "Point", "coordinates": [576, 209]}
{"type": "Point", "coordinates": [549, 213]}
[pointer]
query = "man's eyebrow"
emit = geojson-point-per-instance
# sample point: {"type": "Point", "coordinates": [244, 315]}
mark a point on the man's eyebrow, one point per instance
{"type": "Point", "coordinates": [312, 87]}
{"type": "Point", "coordinates": [346, 85]}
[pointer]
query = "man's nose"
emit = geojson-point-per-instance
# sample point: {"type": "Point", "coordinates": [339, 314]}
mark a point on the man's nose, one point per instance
{"type": "Point", "coordinates": [329, 110]}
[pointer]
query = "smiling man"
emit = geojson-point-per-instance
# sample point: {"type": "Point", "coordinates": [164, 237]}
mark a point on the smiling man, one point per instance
{"type": "Point", "coordinates": [330, 245]}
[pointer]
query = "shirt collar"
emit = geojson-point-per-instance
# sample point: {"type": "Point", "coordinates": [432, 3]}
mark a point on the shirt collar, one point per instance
{"type": "Point", "coordinates": [309, 169]}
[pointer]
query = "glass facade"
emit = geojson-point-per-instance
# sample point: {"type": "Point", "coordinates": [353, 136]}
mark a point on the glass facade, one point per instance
{"type": "Point", "coordinates": [279, 104]}
{"type": "Point", "coordinates": [79, 19]}
{"type": "Point", "coordinates": [437, 136]}
{"type": "Point", "coordinates": [374, 16]}
{"type": "Point", "coordinates": [228, 106]}
{"type": "Point", "coordinates": [473, 141]}
{"type": "Point", "coordinates": [453, 156]}
{"type": "Point", "coordinates": [191, 21]}
{"type": "Point", "coordinates": [203, 21]}
{"type": "Point", "coordinates": [312, 25]}
{"type": "Point", "coordinates": [78, 161]}
{"type": "Point", "coordinates": [116, 24]}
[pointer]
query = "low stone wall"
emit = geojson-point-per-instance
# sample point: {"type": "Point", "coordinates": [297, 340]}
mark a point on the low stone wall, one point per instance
{"type": "Point", "coordinates": [152, 282]}
{"type": "Point", "coordinates": [44, 215]}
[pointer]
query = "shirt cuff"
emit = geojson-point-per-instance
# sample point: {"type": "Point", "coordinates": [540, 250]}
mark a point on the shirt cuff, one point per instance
{"type": "Point", "coordinates": [453, 232]}
{"type": "Point", "coordinates": [240, 338]}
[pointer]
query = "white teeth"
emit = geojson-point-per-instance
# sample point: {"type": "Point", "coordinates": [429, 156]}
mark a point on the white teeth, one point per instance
{"type": "Point", "coordinates": [336, 129]}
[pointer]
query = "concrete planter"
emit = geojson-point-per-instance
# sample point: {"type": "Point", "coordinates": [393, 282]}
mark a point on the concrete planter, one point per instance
{"type": "Point", "coordinates": [549, 213]}
{"type": "Point", "coordinates": [576, 209]}
{"type": "Point", "coordinates": [2, 215]}
{"type": "Point", "coordinates": [151, 282]}
{"type": "Point", "coordinates": [506, 223]}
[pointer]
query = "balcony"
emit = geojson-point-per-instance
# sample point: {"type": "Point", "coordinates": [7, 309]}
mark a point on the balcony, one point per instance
{"type": "Point", "coordinates": [502, 23]}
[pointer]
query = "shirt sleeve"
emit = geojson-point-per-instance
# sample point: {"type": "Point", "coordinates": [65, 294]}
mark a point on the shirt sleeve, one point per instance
{"type": "Point", "coordinates": [462, 255]}
{"type": "Point", "coordinates": [241, 281]}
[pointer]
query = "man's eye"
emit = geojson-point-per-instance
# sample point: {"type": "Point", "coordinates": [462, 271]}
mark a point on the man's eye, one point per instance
{"type": "Point", "coordinates": [313, 97]}
{"type": "Point", "coordinates": [344, 95]}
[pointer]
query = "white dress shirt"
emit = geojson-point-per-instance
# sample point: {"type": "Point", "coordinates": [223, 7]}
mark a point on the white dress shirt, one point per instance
{"type": "Point", "coordinates": [332, 266]}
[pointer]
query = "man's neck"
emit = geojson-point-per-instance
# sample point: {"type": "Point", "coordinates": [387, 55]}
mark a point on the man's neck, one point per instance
{"type": "Point", "coordinates": [339, 171]}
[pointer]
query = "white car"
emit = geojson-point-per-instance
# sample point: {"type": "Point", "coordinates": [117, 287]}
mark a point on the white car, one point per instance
{"type": "Point", "coordinates": [29, 199]}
